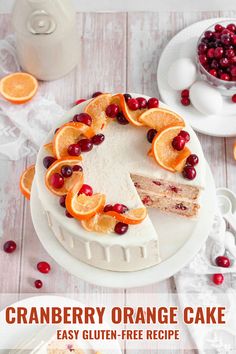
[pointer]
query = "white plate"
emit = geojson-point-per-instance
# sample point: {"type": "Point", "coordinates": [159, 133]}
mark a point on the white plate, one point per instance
{"type": "Point", "coordinates": [184, 45]}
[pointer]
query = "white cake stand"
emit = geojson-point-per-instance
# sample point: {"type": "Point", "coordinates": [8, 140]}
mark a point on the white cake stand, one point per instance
{"type": "Point", "coordinates": [184, 237]}
{"type": "Point", "coordinates": [184, 45]}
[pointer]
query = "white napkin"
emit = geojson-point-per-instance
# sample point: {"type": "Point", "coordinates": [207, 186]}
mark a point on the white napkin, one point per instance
{"type": "Point", "coordinates": [23, 128]}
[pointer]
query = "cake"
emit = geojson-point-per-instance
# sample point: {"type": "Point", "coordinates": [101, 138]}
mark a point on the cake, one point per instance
{"type": "Point", "coordinates": [127, 171]}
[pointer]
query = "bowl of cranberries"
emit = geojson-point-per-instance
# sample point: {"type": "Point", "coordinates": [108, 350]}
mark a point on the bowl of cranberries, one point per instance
{"type": "Point", "coordinates": [216, 56]}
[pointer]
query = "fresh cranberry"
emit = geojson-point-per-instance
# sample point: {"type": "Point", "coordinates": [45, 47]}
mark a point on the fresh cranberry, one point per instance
{"type": "Point", "coordinates": [202, 48]}
{"type": "Point", "coordinates": [66, 171]}
{"type": "Point", "coordinates": [185, 93]}
{"type": "Point", "coordinates": [208, 34]}
{"type": "Point", "coordinates": [83, 118]}
{"type": "Point", "coordinates": [43, 267]}
{"type": "Point", "coordinates": [48, 161]}
{"type": "Point", "coordinates": [203, 59]}
{"type": "Point", "coordinates": [185, 135]}
{"type": "Point", "coordinates": [225, 38]}
{"type": "Point", "coordinates": [86, 189]}
{"type": "Point", "coordinates": [142, 102]}
{"type": "Point", "coordinates": [218, 28]}
{"type": "Point", "coordinates": [213, 72]}
{"type": "Point", "coordinates": [151, 135]}
{"type": "Point", "coordinates": [185, 101]}
{"type": "Point", "coordinates": [56, 180]}
{"type": "Point", "coordinates": [233, 71]}
{"type": "Point", "coordinates": [192, 160]}
{"type": "Point", "coordinates": [85, 145]}
{"type": "Point", "coordinates": [178, 143]}
{"type": "Point", "coordinates": [153, 103]}
{"type": "Point", "coordinates": [74, 150]}
{"type": "Point", "coordinates": [107, 208]}
{"type": "Point", "coordinates": [214, 64]}
{"type": "Point", "coordinates": [218, 279]}
{"type": "Point", "coordinates": [96, 94]}
{"type": "Point", "coordinates": [127, 97]}
{"type": "Point", "coordinates": [230, 53]}
{"type": "Point", "coordinates": [224, 62]}
{"type": "Point", "coordinates": [133, 104]}
{"type": "Point", "coordinates": [38, 284]}
{"type": "Point", "coordinates": [223, 261]}
{"type": "Point", "coordinates": [211, 53]}
{"type": "Point", "coordinates": [112, 110]}
{"type": "Point", "coordinates": [121, 228]}
{"type": "Point", "coordinates": [9, 246]}
{"type": "Point", "coordinates": [79, 101]}
{"type": "Point", "coordinates": [121, 119]}
{"type": "Point", "coordinates": [189, 172]}
{"type": "Point", "coordinates": [231, 27]}
{"type": "Point", "coordinates": [62, 201]}
{"type": "Point", "coordinates": [234, 98]}
{"type": "Point", "coordinates": [98, 139]}
{"type": "Point", "coordinates": [68, 215]}
{"type": "Point", "coordinates": [77, 168]}
{"type": "Point", "coordinates": [234, 40]}
{"type": "Point", "coordinates": [219, 51]}
{"type": "Point", "coordinates": [120, 208]}
{"type": "Point", "coordinates": [225, 77]}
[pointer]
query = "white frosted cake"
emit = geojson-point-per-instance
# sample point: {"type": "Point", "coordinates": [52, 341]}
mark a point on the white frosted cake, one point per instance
{"type": "Point", "coordinates": [121, 170]}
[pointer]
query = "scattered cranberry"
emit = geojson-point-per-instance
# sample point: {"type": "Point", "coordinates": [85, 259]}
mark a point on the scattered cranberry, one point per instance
{"type": "Point", "coordinates": [234, 98]}
{"type": "Point", "coordinates": [96, 94]}
{"type": "Point", "coordinates": [121, 119]}
{"type": "Point", "coordinates": [185, 101]}
{"type": "Point", "coordinates": [133, 104]}
{"type": "Point", "coordinates": [85, 145]}
{"type": "Point", "coordinates": [185, 135]}
{"type": "Point", "coordinates": [121, 228]}
{"type": "Point", "coordinates": [98, 139]}
{"type": "Point", "coordinates": [189, 172]}
{"type": "Point", "coordinates": [142, 102]}
{"type": "Point", "coordinates": [68, 215]}
{"type": "Point", "coordinates": [48, 161]}
{"type": "Point", "coordinates": [112, 110]}
{"type": "Point", "coordinates": [77, 168]}
{"type": "Point", "coordinates": [223, 261]}
{"type": "Point", "coordinates": [62, 201]}
{"type": "Point", "coordinates": [83, 118]}
{"type": "Point", "coordinates": [66, 171]}
{"type": "Point", "coordinates": [43, 267]}
{"type": "Point", "coordinates": [74, 150]}
{"type": "Point", "coordinates": [127, 97]}
{"type": "Point", "coordinates": [151, 135]}
{"type": "Point", "coordinates": [79, 101]}
{"type": "Point", "coordinates": [120, 208]}
{"type": "Point", "coordinates": [178, 143]}
{"type": "Point", "coordinates": [38, 284]}
{"type": "Point", "coordinates": [185, 93]}
{"type": "Point", "coordinates": [86, 189]}
{"type": "Point", "coordinates": [9, 246]}
{"type": "Point", "coordinates": [192, 160]}
{"type": "Point", "coordinates": [56, 180]}
{"type": "Point", "coordinates": [107, 208]}
{"type": "Point", "coordinates": [218, 279]}
{"type": "Point", "coordinates": [153, 103]}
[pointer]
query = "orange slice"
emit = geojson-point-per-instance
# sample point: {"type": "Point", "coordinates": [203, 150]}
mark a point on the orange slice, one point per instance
{"type": "Point", "coordinates": [100, 223]}
{"type": "Point", "coordinates": [18, 88]}
{"type": "Point", "coordinates": [132, 217]}
{"type": "Point", "coordinates": [26, 181]}
{"type": "Point", "coordinates": [49, 148]}
{"type": "Point", "coordinates": [164, 153]}
{"type": "Point", "coordinates": [84, 207]}
{"type": "Point", "coordinates": [77, 176]}
{"type": "Point", "coordinates": [131, 116]}
{"type": "Point", "coordinates": [69, 134]}
{"type": "Point", "coordinates": [234, 150]}
{"type": "Point", "coordinates": [96, 109]}
{"type": "Point", "coordinates": [160, 118]}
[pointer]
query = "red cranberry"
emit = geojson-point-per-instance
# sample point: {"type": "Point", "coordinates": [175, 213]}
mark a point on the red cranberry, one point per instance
{"type": "Point", "coordinates": [79, 101]}
{"type": "Point", "coordinates": [192, 160]}
{"type": "Point", "coordinates": [83, 118]}
{"type": "Point", "coordinates": [233, 71]}
{"type": "Point", "coordinates": [178, 143]}
{"type": "Point", "coordinates": [9, 246]}
{"type": "Point", "coordinates": [185, 135]}
{"type": "Point", "coordinates": [189, 172]}
{"type": "Point", "coordinates": [225, 39]}
{"type": "Point", "coordinates": [231, 27]}
{"type": "Point", "coordinates": [107, 208]}
{"type": "Point", "coordinates": [68, 215]}
{"type": "Point", "coordinates": [151, 135]}
{"type": "Point", "coordinates": [234, 40]}
{"type": "Point", "coordinates": [225, 77]}
{"type": "Point", "coordinates": [66, 171]}
{"type": "Point", "coordinates": [218, 279]}
{"type": "Point", "coordinates": [202, 48]}
{"type": "Point", "coordinates": [38, 284]}
{"type": "Point", "coordinates": [219, 51]}
{"type": "Point", "coordinates": [56, 180]}
{"type": "Point", "coordinates": [48, 161]}
{"type": "Point", "coordinates": [133, 104]}
{"type": "Point", "coordinates": [62, 201]}
{"type": "Point", "coordinates": [142, 102]}
{"type": "Point", "coordinates": [74, 150]}
{"type": "Point", "coordinates": [98, 139]}
{"type": "Point", "coordinates": [96, 94]}
{"type": "Point", "coordinates": [208, 34]}
{"type": "Point", "coordinates": [121, 119]}
{"type": "Point", "coordinates": [218, 28]}
{"type": "Point", "coordinates": [214, 64]}
{"type": "Point", "coordinates": [234, 98]}
{"type": "Point", "coordinates": [77, 168]}
{"type": "Point", "coordinates": [86, 189]}
{"type": "Point", "coordinates": [112, 110]}
{"type": "Point", "coordinates": [213, 72]}
{"type": "Point", "coordinates": [185, 93]}
{"type": "Point", "coordinates": [203, 59]}
{"type": "Point", "coordinates": [120, 208]}
{"type": "Point", "coordinates": [223, 261]}
{"type": "Point", "coordinates": [230, 53]}
{"type": "Point", "coordinates": [211, 53]}
{"type": "Point", "coordinates": [185, 101]}
{"type": "Point", "coordinates": [85, 145]}
{"type": "Point", "coordinates": [153, 103]}
{"type": "Point", "coordinates": [127, 97]}
{"type": "Point", "coordinates": [121, 228]}
{"type": "Point", "coordinates": [43, 267]}
{"type": "Point", "coordinates": [224, 62]}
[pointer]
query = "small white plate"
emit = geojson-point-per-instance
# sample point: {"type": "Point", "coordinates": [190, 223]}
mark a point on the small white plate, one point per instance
{"type": "Point", "coordinates": [184, 45]}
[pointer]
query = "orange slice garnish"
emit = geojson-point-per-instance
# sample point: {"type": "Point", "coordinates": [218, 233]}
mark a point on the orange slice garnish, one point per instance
{"type": "Point", "coordinates": [160, 118]}
{"type": "Point", "coordinates": [69, 134]}
{"type": "Point", "coordinates": [132, 217]}
{"type": "Point", "coordinates": [26, 181]}
{"type": "Point", "coordinates": [100, 223]}
{"type": "Point", "coordinates": [49, 148]}
{"type": "Point", "coordinates": [97, 110]}
{"type": "Point", "coordinates": [18, 88]}
{"type": "Point", "coordinates": [164, 153]}
{"type": "Point", "coordinates": [234, 150]}
{"type": "Point", "coordinates": [131, 116]}
{"type": "Point", "coordinates": [77, 176]}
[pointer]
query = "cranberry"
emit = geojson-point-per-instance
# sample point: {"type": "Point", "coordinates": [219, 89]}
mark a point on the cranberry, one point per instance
{"type": "Point", "coordinates": [112, 110]}
{"type": "Point", "coordinates": [77, 168]}
{"type": "Point", "coordinates": [185, 93]}
{"type": "Point", "coordinates": [85, 145]}
{"type": "Point", "coordinates": [214, 64]}
{"type": "Point", "coordinates": [127, 97]}
{"type": "Point", "coordinates": [213, 72]}
{"type": "Point", "coordinates": [203, 59]}
{"type": "Point", "coordinates": [202, 48]}
{"type": "Point", "coordinates": [192, 160]}
{"type": "Point", "coordinates": [218, 28]}
{"type": "Point", "coordinates": [68, 215]}
{"type": "Point", "coordinates": [234, 40]}
{"type": "Point", "coordinates": [219, 51]}
{"type": "Point", "coordinates": [233, 71]}
{"type": "Point", "coordinates": [43, 267]}
{"type": "Point", "coordinates": [133, 104]}
{"type": "Point", "coordinates": [38, 284]}
{"type": "Point", "coordinates": [225, 39]}
{"type": "Point", "coordinates": [153, 103]}
{"type": "Point", "coordinates": [66, 171]}
{"type": "Point", "coordinates": [211, 53]}
{"type": "Point", "coordinates": [98, 139]}
{"type": "Point", "coordinates": [48, 161]}
{"type": "Point", "coordinates": [107, 208]}
{"type": "Point", "coordinates": [218, 279]}
{"type": "Point", "coordinates": [56, 180]}
{"type": "Point", "coordinates": [9, 246]}
{"type": "Point", "coordinates": [86, 189]}
{"type": "Point", "coordinates": [79, 101]}
{"type": "Point", "coordinates": [83, 118]}
{"type": "Point", "coordinates": [224, 62]}
{"type": "Point", "coordinates": [96, 94]}
{"type": "Point", "coordinates": [185, 135]}
{"type": "Point", "coordinates": [178, 143]}
{"type": "Point", "coordinates": [185, 101]}
{"type": "Point", "coordinates": [225, 77]}
{"type": "Point", "coordinates": [230, 53]}
{"type": "Point", "coordinates": [74, 150]}
{"type": "Point", "coordinates": [120, 208]}
{"type": "Point", "coordinates": [121, 228]}
{"type": "Point", "coordinates": [223, 261]}
{"type": "Point", "coordinates": [189, 172]}
{"type": "Point", "coordinates": [62, 201]}
{"type": "Point", "coordinates": [234, 98]}
{"type": "Point", "coordinates": [151, 135]}
{"type": "Point", "coordinates": [208, 34]}
{"type": "Point", "coordinates": [142, 102]}
{"type": "Point", "coordinates": [231, 27]}
{"type": "Point", "coordinates": [121, 119]}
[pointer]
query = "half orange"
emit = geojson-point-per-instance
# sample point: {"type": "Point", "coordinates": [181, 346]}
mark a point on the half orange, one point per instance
{"type": "Point", "coordinates": [132, 217]}
{"type": "Point", "coordinates": [26, 181]}
{"type": "Point", "coordinates": [160, 118]}
{"type": "Point", "coordinates": [97, 110]}
{"type": "Point", "coordinates": [100, 223]}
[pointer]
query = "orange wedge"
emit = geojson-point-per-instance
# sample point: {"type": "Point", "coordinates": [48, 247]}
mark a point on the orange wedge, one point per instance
{"type": "Point", "coordinates": [26, 181]}
{"type": "Point", "coordinates": [49, 148]}
{"type": "Point", "coordinates": [164, 153]}
{"type": "Point", "coordinates": [132, 217]}
{"type": "Point", "coordinates": [131, 116]}
{"type": "Point", "coordinates": [69, 134]}
{"type": "Point", "coordinates": [96, 109]}
{"type": "Point", "coordinates": [234, 151]}
{"type": "Point", "coordinates": [160, 118]}
{"type": "Point", "coordinates": [77, 177]}
{"type": "Point", "coordinates": [18, 88]}
{"type": "Point", "coordinates": [100, 223]}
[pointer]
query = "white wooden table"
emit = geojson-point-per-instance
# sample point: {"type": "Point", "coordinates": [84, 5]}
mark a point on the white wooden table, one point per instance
{"type": "Point", "coordinates": [119, 52]}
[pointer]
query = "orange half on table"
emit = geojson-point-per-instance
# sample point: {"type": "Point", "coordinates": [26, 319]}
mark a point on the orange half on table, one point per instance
{"type": "Point", "coordinates": [26, 181]}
